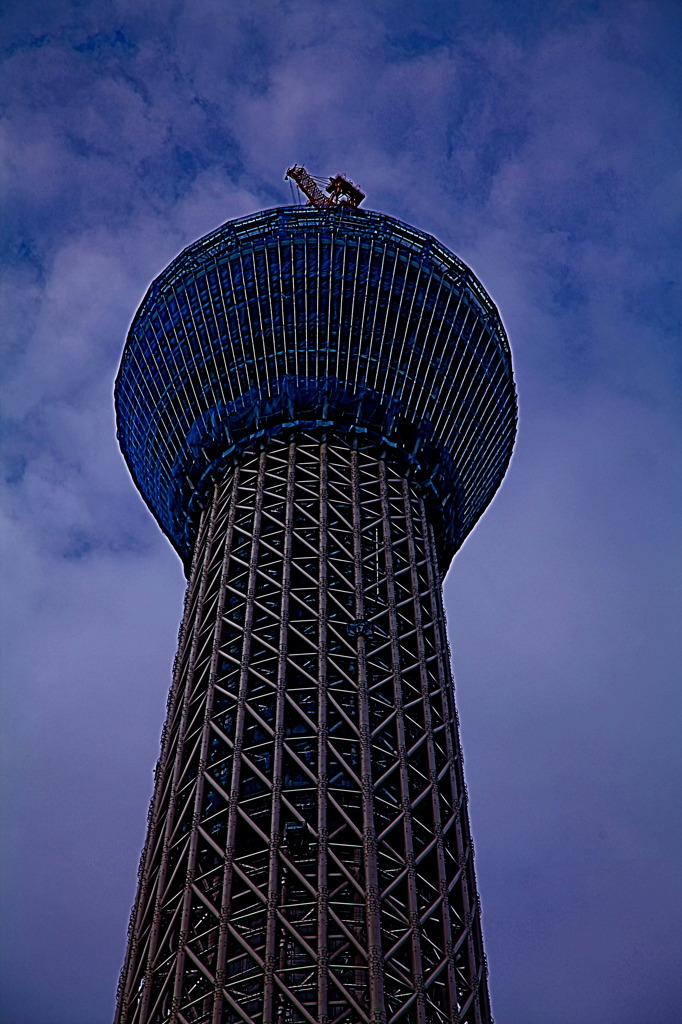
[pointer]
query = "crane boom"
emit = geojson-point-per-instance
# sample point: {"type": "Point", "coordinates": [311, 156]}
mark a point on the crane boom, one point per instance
{"type": "Point", "coordinates": [340, 189]}
{"type": "Point", "coordinates": [308, 186]}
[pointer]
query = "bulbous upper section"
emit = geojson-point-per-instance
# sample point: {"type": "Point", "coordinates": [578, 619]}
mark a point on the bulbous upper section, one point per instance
{"type": "Point", "coordinates": [305, 319]}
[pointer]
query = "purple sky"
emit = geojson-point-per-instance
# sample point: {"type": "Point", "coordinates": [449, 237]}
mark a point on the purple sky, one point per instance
{"type": "Point", "coordinates": [541, 142]}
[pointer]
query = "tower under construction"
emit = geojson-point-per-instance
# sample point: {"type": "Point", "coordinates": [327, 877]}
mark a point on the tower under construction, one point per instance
{"type": "Point", "coordinates": [317, 404]}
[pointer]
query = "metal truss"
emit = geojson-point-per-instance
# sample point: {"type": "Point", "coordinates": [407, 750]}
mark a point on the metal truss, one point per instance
{"type": "Point", "coordinates": [309, 857]}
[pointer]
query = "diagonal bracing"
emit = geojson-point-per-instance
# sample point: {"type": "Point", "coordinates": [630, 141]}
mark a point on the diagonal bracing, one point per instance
{"type": "Point", "coordinates": [309, 856]}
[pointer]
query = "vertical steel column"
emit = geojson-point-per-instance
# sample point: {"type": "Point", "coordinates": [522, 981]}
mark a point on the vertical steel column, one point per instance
{"type": "Point", "coordinates": [322, 739]}
{"type": "Point", "coordinates": [371, 871]}
{"type": "Point", "coordinates": [183, 951]}
{"type": "Point", "coordinates": [433, 769]}
{"type": "Point", "coordinates": [273, 891]}
{"type": "Point", "coordinates": [474, 1004]}
{"type": "Point", "coordinates": [196, 582]}
{"type": "Point", "coordinates": [220, 992]}
{"type": "Point", "coordinates": [406, 799]}
{"type": "Point", "coordinates": [177, 763]}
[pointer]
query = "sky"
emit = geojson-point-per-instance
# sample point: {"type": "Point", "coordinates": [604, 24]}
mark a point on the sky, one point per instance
{"type": "Point", "coordinates": [542, 143]}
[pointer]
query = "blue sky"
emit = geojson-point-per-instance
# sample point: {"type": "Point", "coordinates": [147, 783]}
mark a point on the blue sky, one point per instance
{"type": "Point", "coordinates": [541, 142]}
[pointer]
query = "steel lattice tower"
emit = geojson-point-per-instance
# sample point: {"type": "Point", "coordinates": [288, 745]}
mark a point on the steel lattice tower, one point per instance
{"type": "Point", "coordinates": [317, 406]}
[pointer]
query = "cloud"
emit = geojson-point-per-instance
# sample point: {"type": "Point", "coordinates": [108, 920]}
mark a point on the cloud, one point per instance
{"type": "Point", "coordinates": [541, 142]}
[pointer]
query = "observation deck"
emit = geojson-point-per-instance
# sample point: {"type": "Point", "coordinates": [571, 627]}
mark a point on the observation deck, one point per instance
{"type": "Point", "coordinates": [300, 319]}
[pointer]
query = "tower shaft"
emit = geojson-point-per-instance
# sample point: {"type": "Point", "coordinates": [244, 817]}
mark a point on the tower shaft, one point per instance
{"type": "Point", "coordinates": [309, 857]}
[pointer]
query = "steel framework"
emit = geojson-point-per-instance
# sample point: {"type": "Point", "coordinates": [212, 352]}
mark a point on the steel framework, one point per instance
{"type": "Point", "coordinates": [308, 856]}
{"type": "Point", "coordinates": [338, 316]}
{"type": "Point", "coordinates": [338, 188]}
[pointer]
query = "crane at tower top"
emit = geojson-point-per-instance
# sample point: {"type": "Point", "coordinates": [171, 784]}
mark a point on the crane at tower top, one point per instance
{"type": "Point", "coordinates": [338, 189]}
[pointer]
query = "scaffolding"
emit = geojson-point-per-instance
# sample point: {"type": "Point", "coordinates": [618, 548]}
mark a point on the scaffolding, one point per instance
{"type": "Point", "coordinates": [314, 316]}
